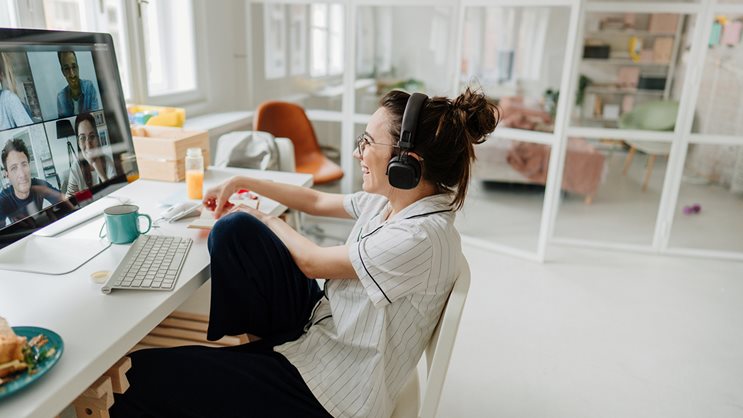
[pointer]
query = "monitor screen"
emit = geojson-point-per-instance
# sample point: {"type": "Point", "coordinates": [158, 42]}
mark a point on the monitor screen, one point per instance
{"type": "Point", "coordinates": [64, 131]}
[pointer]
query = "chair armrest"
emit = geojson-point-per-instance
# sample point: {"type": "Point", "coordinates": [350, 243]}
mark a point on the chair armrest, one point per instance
{"type": "Point", "coordinates": [286, 154]}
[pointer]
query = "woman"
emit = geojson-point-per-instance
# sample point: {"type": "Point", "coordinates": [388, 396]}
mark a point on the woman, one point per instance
{"type": "Point", "coordinates": [348, 349]}
{"type": "Point", "coordinates": [12, 112]}
{"type": "Point", "coordinates": [93, 165]}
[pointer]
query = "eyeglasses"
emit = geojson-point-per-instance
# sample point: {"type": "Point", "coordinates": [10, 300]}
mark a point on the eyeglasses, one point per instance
{"type": "Point", "coordinates": [89, 138]}
{"type": "Point", "coordinates": [365, 139]}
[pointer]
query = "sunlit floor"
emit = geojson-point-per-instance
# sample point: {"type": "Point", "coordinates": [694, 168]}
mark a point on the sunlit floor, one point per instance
{"type": "Point", "coordinates": [598, 334]}
{"type": "Point", "coordinates": [620, 213]}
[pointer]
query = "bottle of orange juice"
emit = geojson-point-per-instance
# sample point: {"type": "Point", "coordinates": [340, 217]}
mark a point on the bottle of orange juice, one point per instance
{"type": "Point", "coordinates": [194, 173]}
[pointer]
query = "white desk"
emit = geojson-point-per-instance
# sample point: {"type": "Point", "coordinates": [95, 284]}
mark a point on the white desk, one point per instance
{"type": "Point", "coordinates": [99, 329]}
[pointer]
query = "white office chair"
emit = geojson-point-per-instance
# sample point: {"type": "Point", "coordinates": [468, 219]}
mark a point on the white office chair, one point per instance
{"type": "Point", "coordinates": [438, 353]}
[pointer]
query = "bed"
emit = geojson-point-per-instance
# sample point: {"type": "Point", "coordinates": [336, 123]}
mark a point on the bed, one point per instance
{"type": "Point", "coordinates": [509, 161]}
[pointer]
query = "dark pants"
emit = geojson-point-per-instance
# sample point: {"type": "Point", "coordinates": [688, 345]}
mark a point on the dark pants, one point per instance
{"type": "Point", "coordinates": [257, 289]}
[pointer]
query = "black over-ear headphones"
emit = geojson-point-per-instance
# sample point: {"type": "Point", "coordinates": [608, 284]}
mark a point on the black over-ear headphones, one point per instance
{"type": "Point", "coordinates": [403, 170]}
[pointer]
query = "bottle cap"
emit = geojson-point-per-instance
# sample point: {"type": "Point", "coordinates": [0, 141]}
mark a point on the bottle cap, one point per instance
{"type": "Point", "coordinates": [193, 152]}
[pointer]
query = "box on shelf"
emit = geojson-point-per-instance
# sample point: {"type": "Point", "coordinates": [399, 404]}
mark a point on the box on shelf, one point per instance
{"type": "Point", "coordinates": [651, 83]}
{"type": "Point", "coordinates": [161, 151]}
{"type": "Point", "coordinates": [663, 23]}
{"type": "Point", "coordinates": [628, 76]}
{"type": "Point", "coordinates": [662, 50]}
{"type": "Point", "coordinates": [157, 115]}
{"type": "Point", "coordinates": [596, 51]}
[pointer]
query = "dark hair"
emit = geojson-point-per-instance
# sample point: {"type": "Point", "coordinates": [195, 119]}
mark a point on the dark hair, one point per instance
{"type": "Point", "coordinates": [81, 161]}
{"type": "Point", "coordinates": [65, 51]}
{"type": "Point", "coordinates": [445, 137]}
{"type": "Point", "coordinates": [17, 145]}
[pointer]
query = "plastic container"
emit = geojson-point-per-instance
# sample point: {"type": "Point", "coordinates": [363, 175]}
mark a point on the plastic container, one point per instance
{"type": "Point", "coordinates": [157, 115]}
{"type": "Point", "coordinates": [194, 173]}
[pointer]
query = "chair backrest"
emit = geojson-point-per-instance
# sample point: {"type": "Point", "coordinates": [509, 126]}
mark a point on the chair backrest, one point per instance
{"type": "Point", "coordinates": [252, 149]}
{"type": "Point", "coordinates": [438, 354]}
{"type": "Point", "coordinates": [284, 119]}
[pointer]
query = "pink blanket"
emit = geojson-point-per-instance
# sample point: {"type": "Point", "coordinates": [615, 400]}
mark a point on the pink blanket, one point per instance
{"type": "Point", "coordinates": [583, 164]}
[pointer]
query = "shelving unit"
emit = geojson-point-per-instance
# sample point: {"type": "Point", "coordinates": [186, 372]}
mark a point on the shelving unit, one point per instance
{"type": "Point", "coordinates": [654, 62]}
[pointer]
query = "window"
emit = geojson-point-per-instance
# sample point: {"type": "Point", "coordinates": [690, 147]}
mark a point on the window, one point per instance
{"type": "Point", "coordinates": [510, 44]}
{"type": "Point", "coordinates": [168, 71]}
{"type": "Point", "coordinates": [168, 28]}
{"type": "Point", "coordinates": [8, 15]}
{"type": "Point", "coordinates": [326, 39]}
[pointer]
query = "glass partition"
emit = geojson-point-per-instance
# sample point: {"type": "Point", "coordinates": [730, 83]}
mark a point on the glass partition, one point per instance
{"type": "Point", "coordinates": [516, 54]}
{"type": "Point", "coordinates": [297, 54]}
{"type": "Point", "coordinates": [506, 195]}
{"type": "Point", "coordinates": [710, 200]}
{"type": "Point", "coordinates": [611, 190]}
{"type": "Point", "coordinates": [408, 47]}
{"type": "Point", "coordinates": [629, 76]}
{"type": "Point", "coordinates": [719, 108]}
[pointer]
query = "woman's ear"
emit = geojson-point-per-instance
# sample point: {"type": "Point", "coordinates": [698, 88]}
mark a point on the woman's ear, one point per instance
{"type": "Point", "coordinates": [416, 156]}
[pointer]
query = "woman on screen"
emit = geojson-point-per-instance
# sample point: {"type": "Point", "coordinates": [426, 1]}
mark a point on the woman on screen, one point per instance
{"type": "Point", "coordinates": [12, 112]}
{"type": "Point", "coordinates": [93, 165]}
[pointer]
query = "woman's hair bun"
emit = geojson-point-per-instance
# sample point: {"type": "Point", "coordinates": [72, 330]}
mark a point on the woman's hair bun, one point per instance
{"type": "Point", "coordinates": [478, 115]}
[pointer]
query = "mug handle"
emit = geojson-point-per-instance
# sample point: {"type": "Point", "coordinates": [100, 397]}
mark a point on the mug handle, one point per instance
{"type": "Point", "coordinates": [149, 223]}
{"type": "Point", "coordinates": [103, 233]}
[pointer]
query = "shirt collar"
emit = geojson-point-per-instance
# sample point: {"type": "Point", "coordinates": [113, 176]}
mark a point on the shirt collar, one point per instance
{"type": "Point", "coordinates": [433, 203]}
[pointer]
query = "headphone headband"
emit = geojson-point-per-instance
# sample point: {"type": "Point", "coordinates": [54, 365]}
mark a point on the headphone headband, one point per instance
{"type": "Point", "coordinates": [413, 108]}
{"type": "Point", "coordinates": [403, 170]}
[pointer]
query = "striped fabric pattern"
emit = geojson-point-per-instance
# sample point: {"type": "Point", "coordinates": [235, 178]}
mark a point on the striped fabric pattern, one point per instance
{"type": "Point", "coordinates": [365, 336]}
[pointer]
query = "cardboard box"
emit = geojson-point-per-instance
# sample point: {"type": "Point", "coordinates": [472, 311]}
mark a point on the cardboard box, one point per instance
{"type": "Point", "coordinates": [662, 50]}
{"type": "Point", "coordinates": [628, 76]}
{"type": "Point", "coordinates": [161, 151]}
{"type": "Point", "coordinates": [663, 23]}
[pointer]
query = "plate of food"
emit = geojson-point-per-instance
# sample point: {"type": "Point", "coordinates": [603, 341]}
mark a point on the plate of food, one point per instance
{"type": "Point", "coordinates": [26, 354]}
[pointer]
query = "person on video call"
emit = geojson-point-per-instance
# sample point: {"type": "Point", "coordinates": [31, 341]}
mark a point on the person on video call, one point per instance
{"type": "Point", "coordinates": [80, 95]}
{"type": "Point", "coordinates": [25, 195]}
{"type": "Point", "coordinates": [346, 350]}
{"type": "Point", "coordinates": [93, 166]}
{"type": "Point", "coordinates": [12, 111]}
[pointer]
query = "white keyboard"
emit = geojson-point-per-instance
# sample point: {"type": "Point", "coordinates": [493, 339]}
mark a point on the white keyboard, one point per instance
{"type": "Point", "coordinates": [153, 262]}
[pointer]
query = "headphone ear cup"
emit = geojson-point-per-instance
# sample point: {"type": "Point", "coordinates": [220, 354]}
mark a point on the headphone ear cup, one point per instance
{"type": "Point", "coordinates": [404, 172]}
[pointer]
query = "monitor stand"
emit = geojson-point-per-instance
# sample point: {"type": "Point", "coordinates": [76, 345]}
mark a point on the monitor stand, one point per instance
{"type": "Point", "coordinates": [47, 255]}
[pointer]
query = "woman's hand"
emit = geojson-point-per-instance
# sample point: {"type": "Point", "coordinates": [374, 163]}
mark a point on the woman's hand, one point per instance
{"type": "Point", "coordinates": [217, 197]}
{"type": "Point", "coordinates": [265, 218]}
{"type": "Point", "coordinates": [99, 165]}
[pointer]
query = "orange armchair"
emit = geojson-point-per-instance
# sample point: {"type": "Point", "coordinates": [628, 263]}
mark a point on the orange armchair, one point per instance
{"type": "Point", "coordinates": [283, 119]}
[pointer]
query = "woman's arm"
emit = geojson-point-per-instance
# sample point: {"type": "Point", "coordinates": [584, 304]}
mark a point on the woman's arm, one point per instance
{"type": "Point", "coordinates": [314, 261]}
{"type": "Point", "coordinates": [300, 198]}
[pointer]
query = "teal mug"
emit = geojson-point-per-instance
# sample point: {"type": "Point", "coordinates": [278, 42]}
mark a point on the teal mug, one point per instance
{"type": "Point", "coordinates": [122, 224]}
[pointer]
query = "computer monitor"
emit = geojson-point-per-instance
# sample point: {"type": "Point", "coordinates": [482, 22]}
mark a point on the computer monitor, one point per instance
{"type": "Point", "coordinates": [64, 131]}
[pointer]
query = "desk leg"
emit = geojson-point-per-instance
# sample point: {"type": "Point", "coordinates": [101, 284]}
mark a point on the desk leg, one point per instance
{"type": "Point", "coordinates": [99, 397]}
{"type": "Point", "coordinates": [96, 399]}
